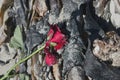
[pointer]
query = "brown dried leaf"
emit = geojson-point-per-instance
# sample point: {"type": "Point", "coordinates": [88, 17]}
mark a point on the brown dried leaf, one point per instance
{"type": "Point", "coordinates": [4, 5]}
{"type": "Point", "coordinates": [35, 67]}
{"type": "Point", "coordinates": [2, 35]}
{"type": "Point", "coordinates": [40, 7]}
{"type": "Point", "coordinates": [103, 49]}
{"type": "Point", "coordinates": [56, 72]}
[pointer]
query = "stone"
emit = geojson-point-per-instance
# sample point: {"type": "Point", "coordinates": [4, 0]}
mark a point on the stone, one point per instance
{"type": "Point", "coordinates": [76, 73]}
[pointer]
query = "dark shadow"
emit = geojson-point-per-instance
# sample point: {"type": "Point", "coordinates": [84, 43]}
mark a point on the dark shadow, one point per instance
{"type": "Point", "coordinates": [118, 31]}
{"type": "Point", "coordinates": [106, 26]}
{"type": "Point", "coordinates": [11, 25]}
{"type": "Point", "coordinates": [62, 26]}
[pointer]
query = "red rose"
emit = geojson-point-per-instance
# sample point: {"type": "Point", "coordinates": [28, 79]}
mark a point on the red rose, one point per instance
{"type": "Point", "coordinates": [56, 36]}
{"type": "Point", "coordinates": [50, 59]}
{"type": "Point", "coordinates": [56, 40]}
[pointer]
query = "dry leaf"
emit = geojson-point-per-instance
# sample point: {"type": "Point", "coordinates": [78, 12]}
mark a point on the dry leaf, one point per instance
{"type": "Point", "coordinates": [4, 5]}
{"type": "Point", "coordinates": [35, 67]}
{"type": "Point", "coordinates": [56, 72]}
{"type": "Point", "coordinates": [103, 49]}
{"type": "Point", "coordinates": [6, 67]}
{"type": "Point", "coordinates": [40, 7]}
{"type": "Point", "coordinates": [6, 58]}
{"type": "Point", "coordinates": [1, 13]}
{"type": "Point", "coordinates": [101, 6]}
{"type": "Point", "coordinates": [115, 13]}
{"type": "Point", "coordinates": [115, 59]}
{"type": "Point", "coordinates": [117, 6]}
{"type": "Point", "coordinates": [2, 35]}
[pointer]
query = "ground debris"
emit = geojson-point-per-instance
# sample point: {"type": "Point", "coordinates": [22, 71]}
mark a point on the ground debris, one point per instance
{"type": "Point", "coordinates": [82, 38]}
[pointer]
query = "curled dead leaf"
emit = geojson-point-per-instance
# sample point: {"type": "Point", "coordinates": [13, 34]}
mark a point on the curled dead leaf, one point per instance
{"type": "Point", "coordinates": [103, 49]}
{"type": "Point", "coordinates": [40, 8]}
{"type": "Point", "coordinates": [4, 5]}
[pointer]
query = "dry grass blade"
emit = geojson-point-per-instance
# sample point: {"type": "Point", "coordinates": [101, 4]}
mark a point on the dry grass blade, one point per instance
{"type": "Point", "coordinates": [35, 67]}
{"type": "Point", "coordinates": [2, 35]}
{"type": "Point", "coordinates": [56, 72]}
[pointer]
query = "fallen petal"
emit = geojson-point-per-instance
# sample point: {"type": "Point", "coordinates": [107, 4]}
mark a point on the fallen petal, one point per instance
{"type": "Point", "coordinates": [50, 59]}
{"type": "Point", "coordinates": [58, 36]}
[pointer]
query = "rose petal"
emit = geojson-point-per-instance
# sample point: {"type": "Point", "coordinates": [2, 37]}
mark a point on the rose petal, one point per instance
{"type": "Point", "coordinates": [50, 59]}
{"type": "Point", "coordinates": [60, 45]}
{"type": "Point", "coordinates": [50, 33]}
{"type": "Point", "coordinates": [53, 29]}
{"type": "Point", "coordinates": [58, 36]}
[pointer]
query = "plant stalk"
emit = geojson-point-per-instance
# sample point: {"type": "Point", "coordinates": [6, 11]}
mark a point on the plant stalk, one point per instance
{"type": "Point", "coordinates": [19, 62]}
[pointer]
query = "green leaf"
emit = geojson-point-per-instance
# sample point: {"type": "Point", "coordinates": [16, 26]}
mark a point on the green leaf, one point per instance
{"type": "Point", "coordinates": [23, 77]}
{"type": "Point", "coordinates": [17, 40]}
